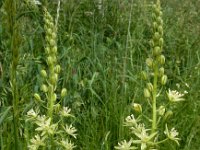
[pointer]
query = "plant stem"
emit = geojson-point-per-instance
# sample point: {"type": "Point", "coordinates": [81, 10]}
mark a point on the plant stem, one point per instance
{"type": "Point", "coordinates": [154, 115]}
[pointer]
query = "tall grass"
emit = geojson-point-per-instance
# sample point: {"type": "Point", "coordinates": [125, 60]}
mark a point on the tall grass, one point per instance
{"type": "Point", "coordinates": [101, 51]}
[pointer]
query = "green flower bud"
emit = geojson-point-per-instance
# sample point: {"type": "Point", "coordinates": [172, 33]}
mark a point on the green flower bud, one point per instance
{"type": "Point", "coordinates": [160, 14]}
{"type": "Point", "coordinates": [53, 35]}
{"type": "Point", "coordinates": [151, 42]}
{"type": "Point", "coordinates": [161, 71]}
{"type": "Point", "coordinates": [161, 41]}
{"type": "Point", "coordinates": [54, 78]}
{"type": "Point", "coordinates": [52, 42]}
{"type": "Point", "coordinates": [137, 107]}
{"type": "Point", "coordinates": [63, 92]}
{"type": "Point", "coordinates": [150, 87]}
{"type": "Point", "coordinates": [37, 97]}
{"type": "Point", "coordinates": [47, 50]}
{"type": "Point", "coordinates": [50, 60]}
{"type": "Point", "coordinates": [157, 11]}
{"type": "Point", "coordinates": [163, 79]}
{"type": "Point", "coordinates": [160, 29]}
{"type": "Point", "coordinates": [54, 97]}
{"type": "Point", "coordinates": [160, 21]}
{"type": "Point", "coordinates": [155, 25]}
{"type": "Point", "coordinates": [146, 93]}
{"type": "Point", "coordinates": [156, 36]}
{"type": "Point", "coordinates": [154, 16]}
{"type": "Point", "coordinates": [156, 51]}
{"type": "Point", "coordinates": [43, 73]}
{"type": "Point", "coordinates": [54, 49]}
{"type": "Point", "coordinates": [161, 59]}
{"type": "Point", "coordinates": [168, 115]}
{"type": "Point", "coordinates": [57, 108]}
{"type": "Point", "coordinates": [149, 62]}
{"type": "Point", "coordinates": [57, 69]}
{"type": "Point", "coordinates": [161, 110]}
{"type": "Point", "coordinates": [44, 88]}
{"type": "Point", "coordinates": [144, 75]}
{"type": "Point", "coordinates": [49, 31]}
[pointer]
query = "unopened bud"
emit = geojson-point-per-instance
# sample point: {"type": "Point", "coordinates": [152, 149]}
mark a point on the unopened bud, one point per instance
{"type": "Point", "coordinates": [161, 110]}
{"type": "Point", "coordinates": [63, 92]}
{"type": "Point", "coordinates": [146, 93]}
{"type": "Point", "coordinates": [149, 62]}
{"type": "Point", "coordinates": [54, 97]}
{"type": "Point", "coordinates": [160, 21]}
{"type": "Point", "coordinates": [156, 36]}
{"type": "Point", "coordinates": [57, 108]}
{"type": "Point", "coordinates": [161, 41]}
{"type": "Point", "coordinates": [168, 115]}
{"type": "Point", "coordinates": [161, 71]}
{"type": "Point", "coordinates": [49, 60]}
{"type": "Point", "coordinates": [144, 75]}
{"type": "Point", "coordinates": [54, 49]}
{"type": "Point", "coordinates": [160, 29]}
{"type": "Point", "coordinates": [155, 25]}
{"type": "Point", "coordinates": [54, 78]}
{"type": "Point", "coordinates": [47, 50]}
{"type": "Point", "coordinates": [52, 42]}
{"type": "Point", "coordinates": [156, 51]}
{"type": "Point", "coordinates": [137, 107]}
{"type": "Point", "coordinates": [161, 59]}
{"type": "Point", "coordinates": [163, 79]}
{"type": "Point", "coordinates": [44, 88]}
{"type": "Point", "coordinates": [43, 73]}
{"type": "Point", "coordinates": [151, 42]}
{"type": "Point", "coordinates": [150, 87]}
{"type": "Point", "coordinates": [37, 97]}
{"type": "Point", "coordinates": [57, 69]}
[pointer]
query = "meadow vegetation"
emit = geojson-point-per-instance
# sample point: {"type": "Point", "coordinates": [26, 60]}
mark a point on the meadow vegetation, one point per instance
{"type": "Point", "coordinates": [95, 74]}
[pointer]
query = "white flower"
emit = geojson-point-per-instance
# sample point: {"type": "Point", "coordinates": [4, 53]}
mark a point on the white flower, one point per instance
{"type": "Point", "coordinates": [172, 135]}
{"type": "Point", "coordinates": [124, 145]}
{"type": "Point", "coordinates": [70, 130]}
{"type": "Point", "coordinates": [68, 145]}
{"type": "Point", "coordinates": [36, 2]}
{"type": "Point", "coordinates": [142, 134]}
{"type": "Point", "coordinates": [175, 96]}
{"type": "Point", "coordinates": [130, 121]}
{"type": "Point", "coordinates": [65, 112]}
{"type": "Point", "coordinates": [36, 142]}
{"type": "Point", "coordinates": [46, 127]}
{"type": "Point", "coordinates": [31, 113]}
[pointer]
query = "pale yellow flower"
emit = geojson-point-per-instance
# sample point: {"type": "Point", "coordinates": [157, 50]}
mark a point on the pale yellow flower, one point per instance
{"type": "Point", "coordinates": [130, 121]}
{"type": "Point", "coordinates": [172, 134]}
{"type": "Point", "coordinates": [70, 130]}
{"type": "Point", "coordinates": [175, 96]}
{"type": "Point", "coordinates": [36, 142]}
{"type": "Point", "coordinates": [124, 145]}
{"type": "Point", "coordinates": [68, 145]}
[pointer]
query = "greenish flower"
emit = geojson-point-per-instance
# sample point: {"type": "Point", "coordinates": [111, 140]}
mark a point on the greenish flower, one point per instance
{"type": "Point", "coordinates": [130, 121]}
{"type": "Point", "coordinates": [124, 145]}
{"type": "Point", "coordinates": [172, 134]}
{"type": "Point", "coordinates": [46, 127]}
{"type": "Point", "coordinates": [70, 130]}
{"type": "Point", "coordinates": [65, 112]}
{"type": "Point", "coordinates": [142, 134]}
{"type": "Point", "coordinates": [175, 96]}
{"type": "Point", "coordinates": [68, 145]}
{"type": "Point", "coordinates": [36, 142]}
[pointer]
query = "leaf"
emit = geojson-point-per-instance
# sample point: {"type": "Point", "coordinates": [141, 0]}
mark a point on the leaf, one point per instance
{"type": "Point", "coordinates": [4, 115]}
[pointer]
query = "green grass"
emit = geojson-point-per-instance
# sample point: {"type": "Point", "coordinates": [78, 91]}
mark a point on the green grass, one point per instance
{"type": "Point", "coordinates": [101, 56]}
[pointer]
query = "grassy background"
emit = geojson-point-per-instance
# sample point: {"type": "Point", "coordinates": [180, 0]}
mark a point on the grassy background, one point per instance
{"type": "Point", "coordinates": [102, 55]}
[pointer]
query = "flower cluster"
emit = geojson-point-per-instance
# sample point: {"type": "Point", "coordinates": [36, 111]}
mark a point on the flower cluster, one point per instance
{"type": "Point", "coordinates": [55, 122]}
{"type": "Point", "coordinates": [156, 79]}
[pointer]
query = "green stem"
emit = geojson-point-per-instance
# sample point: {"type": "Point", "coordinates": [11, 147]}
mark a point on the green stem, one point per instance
{"type": "Point", "coordinates": [154, 114]}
